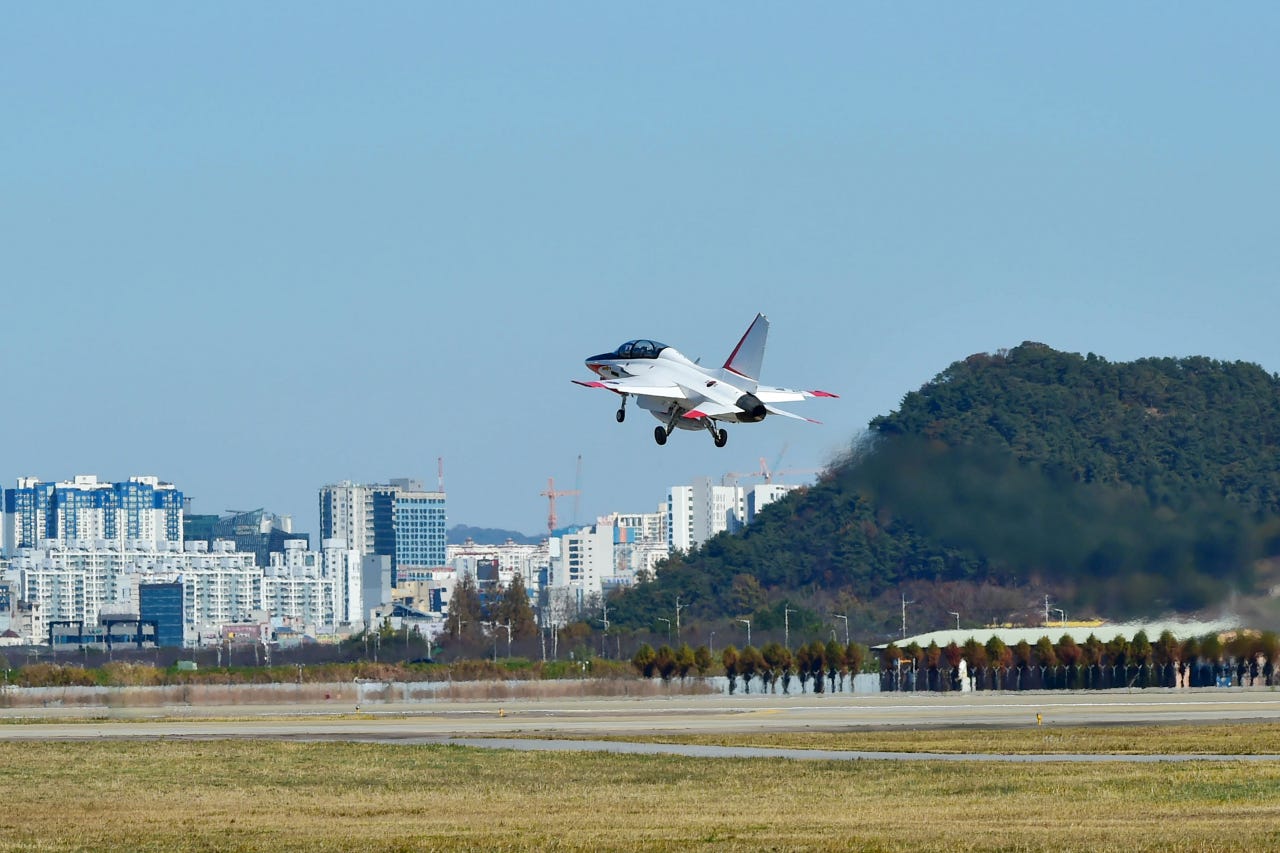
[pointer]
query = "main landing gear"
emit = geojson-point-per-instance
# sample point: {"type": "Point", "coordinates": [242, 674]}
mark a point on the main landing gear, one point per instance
{"type": "Point", "coordinates": [719, 436]}
{"type": "Point", "coordinates": [622, 410]}
{"type": "Point", "coordinates": [662, 433]}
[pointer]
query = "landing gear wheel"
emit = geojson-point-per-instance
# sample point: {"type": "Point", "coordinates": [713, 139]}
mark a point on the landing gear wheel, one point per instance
{"type": "Point", "coordinates": [621, 415]}
{"type": "Point", "coordinates": [720, 437]}
{"type": "Point", "coordinates": [660, 435]}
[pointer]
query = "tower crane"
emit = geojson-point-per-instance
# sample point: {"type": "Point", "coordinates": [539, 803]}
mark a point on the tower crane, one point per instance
{"type": "Point", "coordinates": [551, 493]}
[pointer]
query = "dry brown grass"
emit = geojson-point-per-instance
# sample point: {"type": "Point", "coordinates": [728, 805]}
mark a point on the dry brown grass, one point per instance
{"type": "Point", "coordinates": [1244, 738]}
{"type": "Point", "coordinates": [253, 795]}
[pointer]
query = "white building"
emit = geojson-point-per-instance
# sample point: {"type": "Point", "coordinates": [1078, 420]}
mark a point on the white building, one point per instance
{"type": "Point", "coordinates": [581, 564]}
{"type": "Point", "coordinates": [528, 562]}
{"type": "Point", "coordinates": [760, 496]}
{"type": "Point", "coordinates": [81, 580]}
{"type": "Point", "coordinates": [699, 511]}
{"type": "Point", "coordinates": [315, 590]}
{"type": "Point", "coordinates": [639, 542]}
{"type": "Point", "coordinates": [140, 509]}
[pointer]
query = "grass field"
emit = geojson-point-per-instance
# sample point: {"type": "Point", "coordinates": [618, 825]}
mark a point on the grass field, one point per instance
{"type": "Point", "coordinates": [1199, 739]}
{"type": "Point", "coordinates": [263, 795]}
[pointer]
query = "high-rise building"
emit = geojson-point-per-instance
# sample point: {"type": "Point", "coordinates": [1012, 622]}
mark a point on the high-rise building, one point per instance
{"type": "Point", "coordinates": [399, 520]}
{"type": "Point", "coordinates": [141, 509]}
{"type": "Point", "coordinates": [582, 563]}
{"type": "Point", "coordinates": [162, 603]}
{"type": "Point", "coordinates": [699, 511]}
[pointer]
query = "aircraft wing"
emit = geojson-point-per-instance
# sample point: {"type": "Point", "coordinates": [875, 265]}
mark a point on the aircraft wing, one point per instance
{"type": "Point", "coordinates": [639, 387]}
{"type": "Point", "coordinates": [769, 394]}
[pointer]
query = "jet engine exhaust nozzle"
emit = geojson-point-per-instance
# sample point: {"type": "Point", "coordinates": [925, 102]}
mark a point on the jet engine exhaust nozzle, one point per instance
{"type": "Point", "coordinates": [753, 411]}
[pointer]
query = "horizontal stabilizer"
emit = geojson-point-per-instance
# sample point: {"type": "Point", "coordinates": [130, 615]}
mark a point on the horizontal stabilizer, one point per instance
{"type": "Point", "coordinates": [768, 394]}
{"type": "Point", "coordinates": [774, 411]}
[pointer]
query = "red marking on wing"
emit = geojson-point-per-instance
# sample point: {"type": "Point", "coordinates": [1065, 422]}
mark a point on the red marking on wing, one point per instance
{"type": "Point", "coordinates": [694, 414]}
{"type": "Point", "coordinates": [824, 394]}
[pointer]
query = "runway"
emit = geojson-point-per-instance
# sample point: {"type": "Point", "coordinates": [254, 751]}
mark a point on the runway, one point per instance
{"type": "Point", "coordinates": [520, 722]}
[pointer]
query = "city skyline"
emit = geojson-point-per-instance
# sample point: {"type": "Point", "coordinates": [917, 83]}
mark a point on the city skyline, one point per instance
{"type": "Point", "coordinates": [257, 250]}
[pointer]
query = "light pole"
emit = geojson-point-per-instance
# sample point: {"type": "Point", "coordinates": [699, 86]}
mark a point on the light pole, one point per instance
{"type": "Point", "coordinates": [786, 627]}
{"type": "Point", "coordinates": [507, 627]}
{"type": "Point", "coordinates": [846, 626]}
{"type": "Point", "coordinates": [957, 615]}
{"type": "Point", "coordinates": [904, 616]}
{"type": "Point", "coordinates": [668, 621]}
{"type": "Point", "coordinates": [679, 607]}
{"type": "Point", "coordinates": [712, 648]}
{"type": "Point", "coordinates": [604, 640]}
{"type": "Point", "coordinates": [1062, 616]}
{"type": "Point", "coordinates": [747, 622]}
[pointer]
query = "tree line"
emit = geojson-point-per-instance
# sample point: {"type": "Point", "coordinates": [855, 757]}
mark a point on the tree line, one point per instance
{"type": "Point", "coordinates": [1246, 658]}
{"type": "Point", "coordinates": [818, 666]}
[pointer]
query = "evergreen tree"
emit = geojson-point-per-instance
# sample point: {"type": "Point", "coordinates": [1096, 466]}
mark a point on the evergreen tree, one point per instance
{"type": "Point", "coordinates": [513, 608]}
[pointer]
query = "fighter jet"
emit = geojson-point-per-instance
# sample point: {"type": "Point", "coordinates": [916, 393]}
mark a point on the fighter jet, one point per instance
{"type": "Point", "coordinates": [682, 394]}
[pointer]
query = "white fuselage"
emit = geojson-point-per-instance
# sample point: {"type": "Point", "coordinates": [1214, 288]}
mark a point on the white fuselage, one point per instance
{"type": "Point", "coordinates": [699, 384]}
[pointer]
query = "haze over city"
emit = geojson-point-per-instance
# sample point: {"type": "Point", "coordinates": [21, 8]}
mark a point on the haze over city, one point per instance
{"type": "Point", "coordinates": [254, 250]}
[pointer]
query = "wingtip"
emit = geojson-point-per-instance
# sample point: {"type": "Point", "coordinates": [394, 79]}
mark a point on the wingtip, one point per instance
{"type": "Point", "coordinates": [824, 394]}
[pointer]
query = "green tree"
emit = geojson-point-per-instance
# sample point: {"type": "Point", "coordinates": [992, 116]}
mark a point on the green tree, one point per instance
{"type": "Point", "coordinates": [1095, 654]}
{"type": "Point", "coordinates": [1001, 657]}
{"type": "Point", "coordinates": [686, 660]}
{"type": "Point", "coordinates": [1164, 653]}
{"type": "Point", "coordinates": [664, 661]}
{"type": "Point", "coordinates": [643, 660]}
{"type": "Point", "coordinates": [512, 608]}
{"type": "Point", "coordinates": [1046, 658]}
{"type": "Point", "coordinates": [463, 623]}
{"type": "Point", "coordinates": [702, 660]}
{"type": "Point", "coordinates": [836, 666]}
{"type": "Point", "coordinates": [817, 664]}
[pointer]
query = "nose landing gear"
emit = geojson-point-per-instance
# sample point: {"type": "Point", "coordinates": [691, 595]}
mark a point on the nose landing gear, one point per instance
{"type": "Point", "coordinates": [622, 410]}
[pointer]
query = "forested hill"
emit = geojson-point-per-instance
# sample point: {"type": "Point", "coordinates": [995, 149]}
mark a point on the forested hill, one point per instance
{"type": "Point", "coordinates": [1124, 488]}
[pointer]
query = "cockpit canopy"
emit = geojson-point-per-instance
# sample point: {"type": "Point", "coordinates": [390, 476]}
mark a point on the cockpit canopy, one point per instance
{"type": "Point", "coordinates": [639, 349]}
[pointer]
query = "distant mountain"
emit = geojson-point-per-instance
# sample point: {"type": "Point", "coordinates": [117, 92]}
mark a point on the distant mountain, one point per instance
{"type": "Point", "coordinates": [460, 533]}
{"type": "Point", "coordinates": [1121, 489]}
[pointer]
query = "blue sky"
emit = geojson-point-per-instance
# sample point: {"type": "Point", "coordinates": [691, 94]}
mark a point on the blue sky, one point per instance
{"type": "Point", "coordinates": [255, 248]}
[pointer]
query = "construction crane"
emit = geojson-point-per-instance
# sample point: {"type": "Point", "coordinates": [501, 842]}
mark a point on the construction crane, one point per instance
{"type": "Point", "coordinates": [551, 493]}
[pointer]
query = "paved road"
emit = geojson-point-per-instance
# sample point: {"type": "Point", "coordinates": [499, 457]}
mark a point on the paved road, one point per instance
{"type": "Point", "coordinates": [612, 716]}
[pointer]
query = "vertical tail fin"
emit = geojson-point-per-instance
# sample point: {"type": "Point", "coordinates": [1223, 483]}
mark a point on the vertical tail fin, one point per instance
{"type": "Point", "coordinates": [748, 355]}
